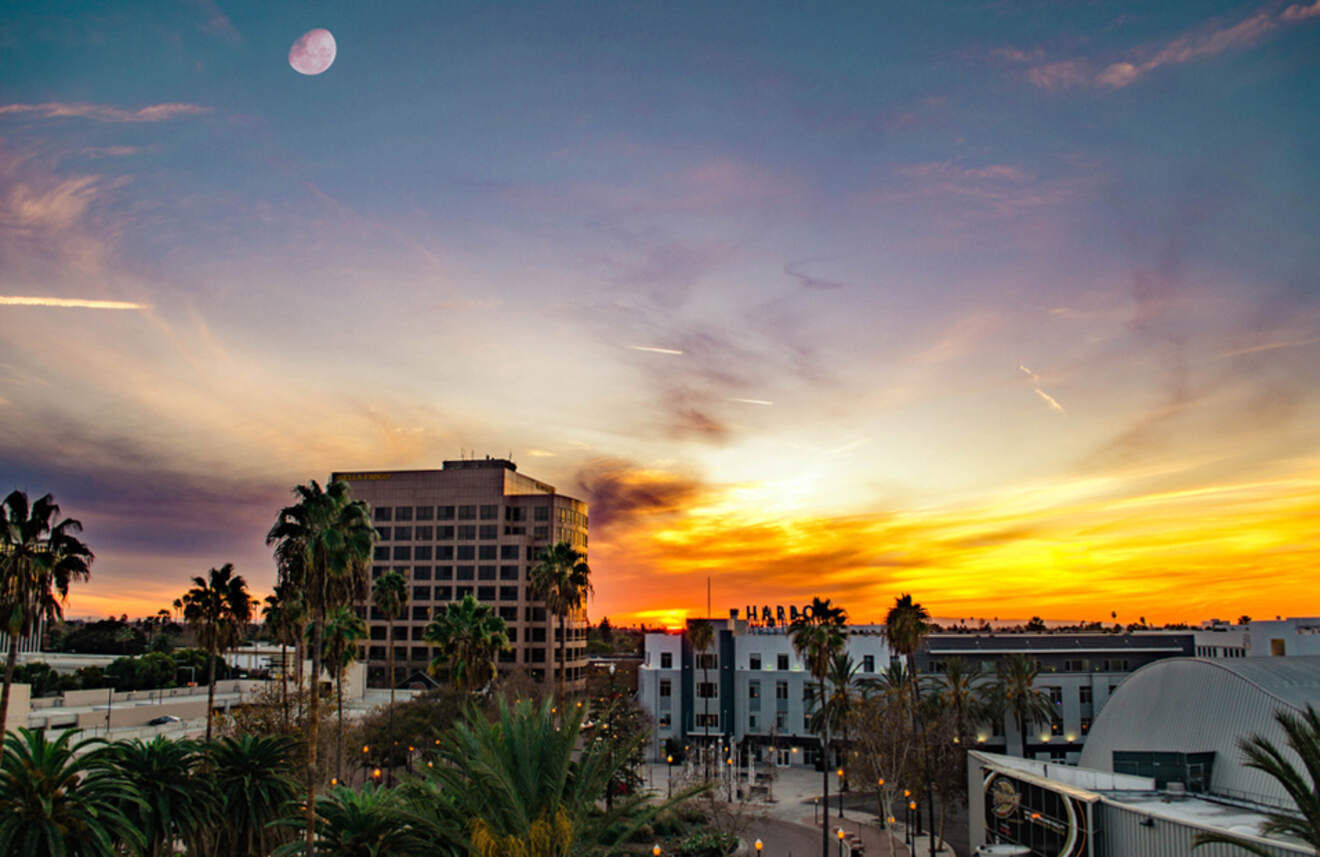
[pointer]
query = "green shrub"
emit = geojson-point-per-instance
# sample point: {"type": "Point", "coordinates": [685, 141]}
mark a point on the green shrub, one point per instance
{"type": "Point", "coordinates": [708, 843]}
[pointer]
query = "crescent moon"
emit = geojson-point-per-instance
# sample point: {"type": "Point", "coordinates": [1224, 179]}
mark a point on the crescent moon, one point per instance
{"type": "Point", "coordinates": [313, 52]}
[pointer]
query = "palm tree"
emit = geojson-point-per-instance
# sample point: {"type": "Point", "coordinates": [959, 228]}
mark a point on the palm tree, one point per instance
{"type": "Point", "coordinates": [469, 635]}
{"type": "Point", "coordinates": [840, 702]}
{"type": "Point", "coordinates": [62, 799]}
{"type": "Point", "coordinates": [519, 785]}
{"type": "Point", "coordinates": [906, 626]}
{"type": "Point", "coordinates": [254, 778]}
{"type": "Point", "coordinates": [344, 629]}
{"type": "Point", "coordinates": [324, 543]}
{"type": "Point", "coordinates": [389, 595]}
{"type": "Point", "coordinates": [374, 821]}
{"type": "Point", "coordinates": [39, 558]}
{"type": "Point", "coordinates": [218, 607]}
{"type": "Point", "coordinates": [1303, 738]}
{"type": "Point", "coordinates": [284, 615]}
{"type": "Point", "coordinates": [562, 580]}
{"type": "Point", "coordinates": [819, 634]}
{"type": "Point", "coordinates": [169, 798]}
{"type": "Point", "coordinates": [1014, 693]}
{"type": "Point", "coordinates": [963, 694]}
{"type": "Point", "coordinates": [701, 636]}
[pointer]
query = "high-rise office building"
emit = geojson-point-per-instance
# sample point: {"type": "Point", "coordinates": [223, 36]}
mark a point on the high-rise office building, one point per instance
{"type": "Point", "coordinates": [473, 527]}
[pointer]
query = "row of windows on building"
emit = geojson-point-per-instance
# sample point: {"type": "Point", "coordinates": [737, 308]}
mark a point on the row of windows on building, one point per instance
{"type": "Point", "coordinates": [533, 634]}
{"type": "Point", "coordinates": [535, 655]}
{"type": "Point", "coordinates": [1069, 665]}
{"type": "Point", "coordinates": [485, 512]}
{"type": "Point", "coordinates": [427, 552]}
{"type": "Point", "coordinates": [453, 572]}
{"type": "Point", "coordinates": [710, 661]}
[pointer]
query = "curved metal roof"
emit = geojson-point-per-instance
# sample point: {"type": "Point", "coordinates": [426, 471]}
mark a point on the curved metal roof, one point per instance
{"type": "Point", "coordinates": [1193, 705]}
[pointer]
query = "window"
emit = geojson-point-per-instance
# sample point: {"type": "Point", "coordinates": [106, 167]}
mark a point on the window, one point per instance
{"type": "Point", "coordinates": [485, 593]}
{"type": "Point", "coordinates": [489, 531]}
{"type": "Point", "coordinates": [868, 663]}
{"type": "Point", "coordinates": [706, 661]}
{"type": "Point", "coordinates": [383, 513]}
{"type": "Point", "coordinates": [444, 551]}
{"type": "Point", "coordinates": [781, 720]}
{"type": "Point", "coordinates": [377, 571]}
{"type": "Point", "coordinates": [421, 593]}
{"type": "Point", "coordinates": [534, 614]}
{"type": "Point", "coordinates": [1056, 694]}
{"type": "Point", "coordinates": [423, 534]}
{"type": "Point", "coordinates": [380, 552]}
{"type": "Point", "coordinates": [422, 553]}
{"type": "Point", "coordinates": [1056, 726]}
{"type": "Point", "coordinates": [536, 655]}
{"type": "Point", "coordinates": [710, 721]}
{"type": "Point", "coordinates": [806, 723]}
{"type": "Point", "coordinates": [1058, 755]}
{"type": "Point", "coordinates": [781, 690]}
{"type": "Point", "coordinates": [425, 513]}
{"type": "Point", "coordinates": [486, 552]}
{"type": "Point", "coordinates": [421, 572]}
{"type": "Point", "coordinates": [490, 513]}
{"type": "Point", "coordinates": [1084, 694]}
{"type": "Point", "coordinates": [402, 633]}
{"type": "Point", "coordinates": [513, 513]}
{"type": "Point", "coordinates": [666, 660]}
{"type": "Point", "coordinates": [541, 513]}
{"type": "Point", "coordinates": [1075, 665]}
{"type": "Point", "coordinates": [541, 533]}
{"type": "Point", "coordinates": [403, 552]}
{"type": "Point", "coordinates": [403, 513]}
{"type": "Point", "coordinates": [468, 552]}
{"type": "Point", "coordinates": [508, 572]}
{"type": "Point", "coordinates": [444, 534]}
{"type": "Point", "coordinates": [752, 722]}
{"type": "Point", "coordinates": [403, 534]}
{"type": "Point", "coordinates": [444, 513]}
{"type": "Point", "coordinates": [781, 661]}
{"type": "Point", "coordinates": [706, 690]}
{"type": "Point", "coordinates": [467, 513]}
{"type": "Point", "coordinates": [753, 690]}
{"type": "Point", "coordinates": [421, 614]}
{"type": "Point", "coordinates": [461, 591]}
{"type": "Point", "coordinates": [509, 614]}
{"type": "Point", "coordinates": [666, 720]}
{"type": "Point", "coordinates": [753, 662]}
{"type": "Point", "coordinates": [508, 593]}
{"type": "Point", "coordinates": [467, 532]}
{"type": "Point", "coordinates": [666, 687]}
{"type": "Point", "coordinates": [486, 572]}
{"type": "Point", "coordinates": [444, 572]}
{"type": "Point", "coordinates": [383, 534]}
{"type": "Point", "coordinates": [466, 572]}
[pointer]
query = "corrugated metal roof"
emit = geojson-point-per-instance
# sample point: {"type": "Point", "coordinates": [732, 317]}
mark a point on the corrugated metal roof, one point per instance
{"type": "Point", "coordinates": [1047, 643]}
{"type": "Point", "coordinates": [1294, 680]}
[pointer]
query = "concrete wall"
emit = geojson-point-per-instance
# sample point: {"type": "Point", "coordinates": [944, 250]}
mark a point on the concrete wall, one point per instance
{"type": "Point", "coordinates": [19, 695]}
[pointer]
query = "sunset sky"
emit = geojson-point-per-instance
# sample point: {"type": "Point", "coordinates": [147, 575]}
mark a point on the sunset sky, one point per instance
{"type": "Point", "coordinates": [1014, 306]}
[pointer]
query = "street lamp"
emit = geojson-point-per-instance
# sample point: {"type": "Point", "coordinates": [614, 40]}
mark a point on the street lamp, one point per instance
{"type": "Point", "coordinates": [655, 849]}
{"type": "Point", "coordinates": [840, 773]}
{"type": "Point", "coordinates": [669, 774]}
{"type": "Point", "coordinates": [758, 845]}
{"type": "Point", "coordinates": [913, 814]}
{"type": "Point", "coordinates": [839, 833]}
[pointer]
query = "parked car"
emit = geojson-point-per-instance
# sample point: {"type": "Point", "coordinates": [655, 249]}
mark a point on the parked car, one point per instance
{"type": "Point", "coordinates": [1002, 850]}
{"type": "Point", "coordinates": [163, 719]}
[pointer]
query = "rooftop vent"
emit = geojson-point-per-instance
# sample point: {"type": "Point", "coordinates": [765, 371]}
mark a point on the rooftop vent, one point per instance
{"type": "Point", "coordinates": [1175, 791]}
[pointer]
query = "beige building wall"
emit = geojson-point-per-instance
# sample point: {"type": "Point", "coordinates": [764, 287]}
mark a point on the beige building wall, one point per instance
{"type": "Point", "coordinates": [19, 706]}
{"type": "Point", "coordinates": [475, 526]}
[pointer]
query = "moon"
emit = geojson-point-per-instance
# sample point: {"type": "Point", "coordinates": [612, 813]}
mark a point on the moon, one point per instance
{"type": "Point", "coordinates": [313, 52]}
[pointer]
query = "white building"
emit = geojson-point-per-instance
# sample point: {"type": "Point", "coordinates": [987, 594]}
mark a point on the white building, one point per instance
{"type": "Point", "coordinates": [1285, 637]}
{"type": "Point", "coordinates": [751, 688]}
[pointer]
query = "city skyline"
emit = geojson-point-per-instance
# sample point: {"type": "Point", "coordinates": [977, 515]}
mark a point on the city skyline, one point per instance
{"type": "Point", "coordinates": [1009, 306]}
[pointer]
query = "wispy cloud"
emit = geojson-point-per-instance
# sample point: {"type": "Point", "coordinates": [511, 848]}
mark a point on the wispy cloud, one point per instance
{"type": "Point", "coordinates": [69, 303]}
{"type": "Point", "coordinates": [216, 22]}
{"type": "Point", "coordinates": [103, 112]}
{"type": "Point", "coordinates": [1208, 40]}
{"type": "Point", "coordinates": [750, 401]}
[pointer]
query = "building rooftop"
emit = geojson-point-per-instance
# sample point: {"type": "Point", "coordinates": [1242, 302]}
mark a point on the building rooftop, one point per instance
{"type": "Point", "coordinates": [1054, 643]}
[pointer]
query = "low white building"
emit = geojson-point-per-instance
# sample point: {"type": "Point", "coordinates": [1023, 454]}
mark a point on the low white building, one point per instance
{"type": "Point", "coordinates": [1285, 637]}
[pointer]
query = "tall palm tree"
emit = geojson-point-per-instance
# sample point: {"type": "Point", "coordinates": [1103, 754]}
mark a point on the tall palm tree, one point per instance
{"type": "Point", "coordinates": [326, 540]}
{"type": "Point", "coordinates": [284, 620]}
{"type": "Point", "coordinates": [1015, 693]}
{"type": "Point", "coordinates": [963, 694]}
{"type": "Point", "coordinates": [562, 580]}
{"type": "Point", "coordinates": [217, 608]}
{"type": "Point", "coordinates": [701, 636]}
{"type": "Point", "coordinates": [469, 636]}
{"type": "Point", "coordinates": [843, 692]}
{"type": "Point", "coordinates": [39, 557]}
{"type": "Point", "coordinates": [389, 595]}
{"type": "Point", "coordinates": [254, 778]}
{"type": "Point", "coordinates": [819, 634]}
{"type": "Point", "coordinates": [62, 799]}
{"type": "Point", "coordinates": [344, 629]}
{"type": "Point", "coordinates": [1303, 738]}
{"type": "Point", "coordinates": [906, 626]}
{"type": "Point", "coordinates": [291, 574]}
{"type": "Point", "coordinates": [170, 798]}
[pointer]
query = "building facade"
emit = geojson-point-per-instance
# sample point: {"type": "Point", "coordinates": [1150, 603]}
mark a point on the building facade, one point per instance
{"type": "Point", "coordinates": [475, 527]}
{"type": "Point", "coordinates": [752, 687]}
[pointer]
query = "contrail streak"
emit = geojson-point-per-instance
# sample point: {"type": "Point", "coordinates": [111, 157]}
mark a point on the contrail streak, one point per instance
{"type": "Point", "coordinates": [74, 303]}
{"type": "Point", "coordinates": [1045, 397]}
{"type": "Point", "coordinates": [654, 349]}
{"type": "Point", "coordinates": [751, 401]}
